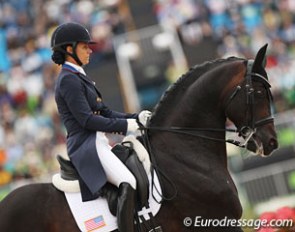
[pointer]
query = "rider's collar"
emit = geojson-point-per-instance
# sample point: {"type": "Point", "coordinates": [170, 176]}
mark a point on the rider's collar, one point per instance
{"type": "Point", "coordinates": [73, 67]}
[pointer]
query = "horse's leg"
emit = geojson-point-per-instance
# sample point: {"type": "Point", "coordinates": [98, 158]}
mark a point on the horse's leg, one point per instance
{"type": "Point", "coordinates": [35, 208]}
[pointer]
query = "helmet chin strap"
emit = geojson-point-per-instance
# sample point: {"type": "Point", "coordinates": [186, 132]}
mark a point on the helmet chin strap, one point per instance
{"type": "Point", "coordinates": [74, 54]}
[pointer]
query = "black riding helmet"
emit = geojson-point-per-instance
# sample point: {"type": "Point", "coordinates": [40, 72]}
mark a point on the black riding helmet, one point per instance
{"type": "Point", "coordinates": [69, 34]}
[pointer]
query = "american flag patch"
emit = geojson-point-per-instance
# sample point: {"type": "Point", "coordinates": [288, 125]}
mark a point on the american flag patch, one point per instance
{"type": "Point", "coordinates": [94, 223]}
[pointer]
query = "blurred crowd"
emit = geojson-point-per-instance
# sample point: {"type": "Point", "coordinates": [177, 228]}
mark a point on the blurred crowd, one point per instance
{"type": "Point", "coordinates": [31, 133]}
{"type": "Point", "coordinates": [240, 28]}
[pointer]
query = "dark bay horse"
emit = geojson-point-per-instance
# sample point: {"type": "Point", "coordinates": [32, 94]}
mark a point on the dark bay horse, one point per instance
{"type": "Point", "coordinates": [187, 139]}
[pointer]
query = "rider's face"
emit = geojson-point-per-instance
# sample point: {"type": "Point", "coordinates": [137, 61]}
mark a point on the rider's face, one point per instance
{"type": "Point", "coordinates": [83, 52]}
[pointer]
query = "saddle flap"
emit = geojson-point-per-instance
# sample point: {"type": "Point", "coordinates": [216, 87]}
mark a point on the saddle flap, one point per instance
{"type": "Point", "coordinates": [129, 157]}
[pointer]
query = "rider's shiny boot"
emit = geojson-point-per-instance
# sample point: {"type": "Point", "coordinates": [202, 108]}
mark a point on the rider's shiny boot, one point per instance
{"type": "Point", "coordinates": [110, 192]}
{"type": "Point", "coordinates": [125, 210]}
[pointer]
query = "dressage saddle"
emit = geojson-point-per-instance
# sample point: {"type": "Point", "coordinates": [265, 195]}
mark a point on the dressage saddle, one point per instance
{"type": "Point", "coordinates": [129, 157]}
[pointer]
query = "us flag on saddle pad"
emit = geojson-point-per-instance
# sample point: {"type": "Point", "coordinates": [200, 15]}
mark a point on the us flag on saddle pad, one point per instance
{"type": "Point", "coordinates": [94, 223]}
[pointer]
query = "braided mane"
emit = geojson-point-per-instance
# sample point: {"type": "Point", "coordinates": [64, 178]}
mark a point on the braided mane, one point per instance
{"type": "Point", "coordinates": [179, 87]}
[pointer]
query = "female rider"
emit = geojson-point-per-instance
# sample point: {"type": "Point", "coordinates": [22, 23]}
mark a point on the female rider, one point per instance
{"type": "Point", "coordinates": [87, 119]}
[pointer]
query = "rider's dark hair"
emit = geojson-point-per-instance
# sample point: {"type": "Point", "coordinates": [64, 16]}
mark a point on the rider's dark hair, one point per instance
{"type": "Point", "coordinates": [59, 55]}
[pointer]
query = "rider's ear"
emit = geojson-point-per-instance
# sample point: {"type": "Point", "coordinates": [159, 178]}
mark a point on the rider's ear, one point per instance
{"type": "Point", "coordinates": [69, 49]}
{"type": "Point", "coordinates": [260, 59]}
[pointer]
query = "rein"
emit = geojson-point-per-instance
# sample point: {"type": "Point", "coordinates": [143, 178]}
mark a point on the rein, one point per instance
{"type": "Point", "coordinates": [192, 132]}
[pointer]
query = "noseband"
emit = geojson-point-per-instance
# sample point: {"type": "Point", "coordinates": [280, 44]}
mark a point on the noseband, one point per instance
{"type": "Point", "coordinates": [247, 130]}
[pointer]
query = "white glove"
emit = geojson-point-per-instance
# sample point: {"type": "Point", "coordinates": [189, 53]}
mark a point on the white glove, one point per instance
{"type": "Point", "coordinates": [132, 127]}
{"type": "Point", "coordinates": [144, 116]}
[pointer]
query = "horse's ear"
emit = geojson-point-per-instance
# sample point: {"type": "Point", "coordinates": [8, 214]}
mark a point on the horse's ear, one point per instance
{"type": "Point", "coordinates": [260, 59]}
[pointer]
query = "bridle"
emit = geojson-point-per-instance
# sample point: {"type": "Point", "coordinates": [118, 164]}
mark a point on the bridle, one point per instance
{"type": "Point", "coordinates": [246, 131]}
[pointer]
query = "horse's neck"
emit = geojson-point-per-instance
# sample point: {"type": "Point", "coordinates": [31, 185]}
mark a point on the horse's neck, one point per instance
{"type": "Point", "coordinates": [199, 103]}
{"type": "Point", "coordinates": [197, 108]}
{"type": "Point", "coordinates": [197, 166]}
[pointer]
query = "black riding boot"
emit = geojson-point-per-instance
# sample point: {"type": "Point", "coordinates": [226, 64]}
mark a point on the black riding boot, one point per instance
{"type": "Point", "coordinates": [125, 210]}
{"type": "Point", "coordinates": [110, 192]}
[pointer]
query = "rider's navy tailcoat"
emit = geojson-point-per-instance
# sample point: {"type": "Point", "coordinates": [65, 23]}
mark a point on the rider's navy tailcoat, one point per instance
{"type": "Point", "coordinates": [83, 113]}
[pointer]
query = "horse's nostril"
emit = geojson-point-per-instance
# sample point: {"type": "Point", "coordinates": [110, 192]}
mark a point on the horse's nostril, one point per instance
{"type": "Point", "coordinates": [273, 143]}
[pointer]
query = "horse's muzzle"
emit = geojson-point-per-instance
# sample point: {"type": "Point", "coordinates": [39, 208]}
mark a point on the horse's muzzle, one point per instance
{"type": "Point", "coordinates": [262, 148]}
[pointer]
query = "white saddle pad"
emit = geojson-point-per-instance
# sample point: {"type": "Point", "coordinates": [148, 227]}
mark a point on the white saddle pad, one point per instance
{"type": "Point", "coordinates": [95, 216]}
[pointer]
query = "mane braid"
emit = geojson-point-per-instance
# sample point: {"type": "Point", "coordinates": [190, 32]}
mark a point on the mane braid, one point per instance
{"type": "Point", "coordinates": [184, 82]}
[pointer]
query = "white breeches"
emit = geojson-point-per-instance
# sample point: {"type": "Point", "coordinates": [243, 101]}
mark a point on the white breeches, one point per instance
{"type": "Point", "coordinates": [115, 170]}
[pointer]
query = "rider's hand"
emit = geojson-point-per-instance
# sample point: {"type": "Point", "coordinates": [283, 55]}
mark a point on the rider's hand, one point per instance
{"type": "Point", "coordinates": [144, 116]}
{"type": "Point", "coordinates": [132, 127]}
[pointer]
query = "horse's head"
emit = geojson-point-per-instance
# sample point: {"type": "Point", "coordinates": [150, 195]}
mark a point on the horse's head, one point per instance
{"type": "Point", "coordinates": [249, 107]}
